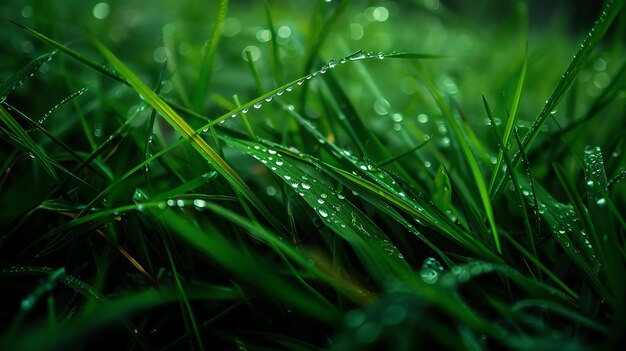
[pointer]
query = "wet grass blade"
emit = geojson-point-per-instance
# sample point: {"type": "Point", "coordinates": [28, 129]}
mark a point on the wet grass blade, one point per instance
{"type": "Point", "coordinates": [371, 244]}
{"type": "Point", "coordinates": [477, 174]}
{"type": "Point", "coordinates": [510, 123]}
{"type": "Point", "coordinates": [179, 124]}
{"type": "Point", "coordinates": [28, 144]}
{"type": "Point", "coordinates": [17, 79]}
{"type": "Point", "coordinates": [63, 48]}
{"type": "Point", "coordinates": [608, 13]}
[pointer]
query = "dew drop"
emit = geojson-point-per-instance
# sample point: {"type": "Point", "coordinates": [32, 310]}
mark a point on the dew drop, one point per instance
{"type": "Point", "coordinates": [323, 213]}
{"type": "Point", "coordinates": [199, 203]}
{"type": "Point", "coordinates": [429, 275]}
{"type": "Point", "coordinates": [258, 105]}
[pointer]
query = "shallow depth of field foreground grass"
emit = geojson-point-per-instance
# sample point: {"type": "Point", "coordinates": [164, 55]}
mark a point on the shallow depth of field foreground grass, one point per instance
{"type": "Point", "coordinates": [307, 175]}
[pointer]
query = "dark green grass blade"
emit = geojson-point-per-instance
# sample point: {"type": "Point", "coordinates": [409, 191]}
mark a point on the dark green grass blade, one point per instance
{"type": "Point", "coordinates": [572, 228]}
{"type": "Point", "coordinates": [471, 160]}
{"type": "Point", "coordinates": [111, 314]}
{"type": "Point", "coordinates": [380, 182]}
{"type": "Point", "coordinates": [609, 11]}
{"type": "Point", "coordinates": [75, 55]}
{"type": "Point", "coordinates": [601, 219]}
{"type": "Point", "coordinates": [28, 144]}
{"type": "Point", "coordinates": [277, 68]}
{"type": "Point", "coordinates": [374, 248]}
{"type": "Point", "coordinates": [255, 270]}
{"type": "Point", "coordinates": [204, 77]}
{"type": "Point", "coordinates": [518, 190]}
{"type": "Point", "coordinates": [17, 79]}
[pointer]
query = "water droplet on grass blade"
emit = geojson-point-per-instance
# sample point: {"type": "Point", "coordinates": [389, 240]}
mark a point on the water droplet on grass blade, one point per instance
{"type": "Point", "coordinates": [199, 204]}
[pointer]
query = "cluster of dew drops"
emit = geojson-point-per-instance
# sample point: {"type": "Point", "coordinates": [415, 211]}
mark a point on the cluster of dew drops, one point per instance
{"type": "Point", "coordinates": [356, 56]}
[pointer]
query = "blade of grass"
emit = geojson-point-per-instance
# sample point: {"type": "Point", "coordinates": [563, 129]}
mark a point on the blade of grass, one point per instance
{"type": "Point", "coordinates": [510, 123]}
{"type": "Point", "coordinates": [17, 79]}
{"type": "Point", "coordinates": [469, 156]}
{"type": "Point", "coordinates": [179, 124]}
{"type": "Point", "coordinates": [204, 77]}
{"type": "Point", "coordinates": [29, 145]}
{"type": "Point", "coordinates": [610, 10]}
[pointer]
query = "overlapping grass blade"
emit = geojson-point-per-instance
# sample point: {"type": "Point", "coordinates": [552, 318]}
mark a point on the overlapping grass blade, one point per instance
{"type": "Point", "coordinates": [373, 247]}
{"type": "Point", "coordinates": [476, 171]}
{"type": "Point", "coordinates": [609, 11]}
{"type": "Point", "coordinates": [27, 143]}
{"type": "Point", "coordinates": [17, 79]}
{"type": "Point", "coordinates": [255, 270]}
{"type": "Point", "coordinates": [188, 133]}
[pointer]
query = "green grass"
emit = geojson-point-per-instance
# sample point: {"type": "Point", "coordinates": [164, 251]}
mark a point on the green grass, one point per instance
{"type": "Point", "coordinates": [312, 175]}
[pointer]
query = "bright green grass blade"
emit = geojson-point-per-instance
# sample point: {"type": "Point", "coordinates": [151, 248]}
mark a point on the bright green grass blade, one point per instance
{"type": "Point", "coordinates": [374, 248]}
{"type": "Point", "coordinates": [609, 11]}
{"type": "Point", "coordinates": [28, 144]}
{"type": "Point", "coordinates": [179, 124]}
{"type": "Point", "coordinates": [17, 79]}
{"type": "Point", "coordinates": [513, 175]}
{"type": "Point", "coordinates": [510, 123]}
{"type": "Point", "coordinates": [477, 174]}
{"type": "Point", "coordinates": [204, 77]}
{"type": "Point", "coordinates": [253, 269]}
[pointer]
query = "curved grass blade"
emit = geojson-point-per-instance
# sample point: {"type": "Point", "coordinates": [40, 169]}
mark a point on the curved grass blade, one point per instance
{"type": "Point", "coordinates": [371, 244]}
{"type": "Point", "coordinates": [179, 124]}
{"type": "Point", "coordinates": [29, 145]}
{"type": "Point", "coordinates": [254, 269]}
{"type": "Point", "coordinates": [385, 186]}
{"type": "Point", "coordinates": [75, 55]}
{"type": "Point", "coordinates": [17, 79]}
